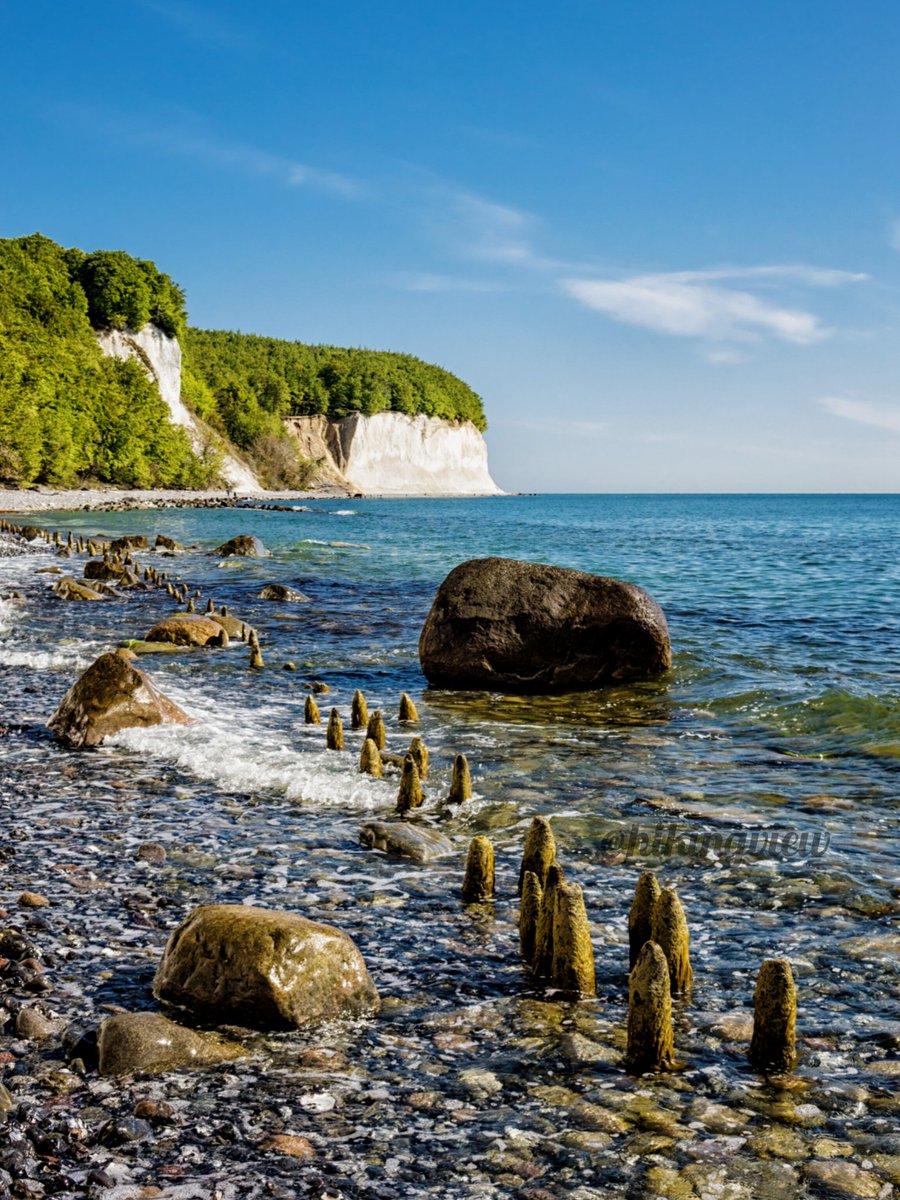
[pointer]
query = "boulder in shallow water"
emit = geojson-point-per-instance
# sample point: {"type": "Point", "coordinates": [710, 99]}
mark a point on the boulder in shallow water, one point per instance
{"type": "Point", "coordinates": [70, 589]}
{"type": "Point", "coordinates": [526, 627]}
{"type": "Point", "coordinates": [405, 839]}
{"type": "Point", "coordinates": [185, 629]}
{"type": "Point", "coordinates": [163, 542]}
{"type": "Point", "coordinates": [112, 694]}
{"type": "Point", "coordinates": [149, 1043]}
{"type": "Point", "coordinates": [108, 572]}
{"type": "Point", "coordinates": [282, 593]}
{"type": "Point", "coordinates": [262, 967]}
{"type": "Point", "coordinates": [244, 546]}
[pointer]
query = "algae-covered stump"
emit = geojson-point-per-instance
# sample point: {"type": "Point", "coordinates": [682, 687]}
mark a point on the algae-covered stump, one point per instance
{"type": "Point", "coordinates": [479, 880]}
{"type": "Point", "coordinates": [410, 794]}
{"type": "Point", "coordinates": [572, 962]}
{"type": "Point", "coordinates": [542, 963]}
{"type": "Point", "coordinates": [359, 711]}
{"type": "Point", "coordinates": [408, 710]}
{"type": "Point", "coordinates": [419, 751]}
{"type": "Point", "coordinates": [370, 759]}
{"type": "Point", "coordinates": [539, 852]}
{"type": "Point", "coordinates": [311, 714]}
{"type": "Point", "coordinates": [651, 1041]}
{"type": "Point", "coordinates": [773, 1045]}
{"type": "Point", "coordinates": [334, 735]}
{"type": "Point", "coordinates": [529, 911]}
{"type": "Point", "coordinates": [670, 933]}
{"type": "Point", "coordinates": [375, 729]}
{"type": "Point", "coordinates": [640, 916]}
{"type": "Point", "coordinates": [461, 781]}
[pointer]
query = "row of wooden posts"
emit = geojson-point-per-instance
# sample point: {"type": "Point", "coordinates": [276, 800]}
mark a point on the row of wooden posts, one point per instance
{"type": "Point", "coordinates": [555, 942]}
{"type": "Point", "coordinates": [554, 933]}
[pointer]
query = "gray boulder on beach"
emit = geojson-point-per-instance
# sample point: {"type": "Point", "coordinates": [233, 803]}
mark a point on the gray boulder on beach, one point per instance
{"type": "Point", "coordinates": [523, 627]}
{"type": "Point", "coordinates": [112, 694]}
{"type": "Point", "coordinates": [264, 968]}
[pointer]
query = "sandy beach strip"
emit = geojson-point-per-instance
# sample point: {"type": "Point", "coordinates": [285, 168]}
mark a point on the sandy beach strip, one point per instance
{"type": "Point", "coordinates": [26, 500]}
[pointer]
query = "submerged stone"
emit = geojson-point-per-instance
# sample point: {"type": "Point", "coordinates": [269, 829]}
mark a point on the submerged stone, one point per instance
{"type": "Point", "coordinates": [281, 593]}
{"type": "Point", "coordinates": [773, 1044]}
{"type": "Point", "coordinates": [149, 1043]}
{"type": "Point", "coordinates": [263, 968]}
{"type": "Point", "coordinates": [405, 839]}
{"type": "Point", "coordinates": [111, 695]}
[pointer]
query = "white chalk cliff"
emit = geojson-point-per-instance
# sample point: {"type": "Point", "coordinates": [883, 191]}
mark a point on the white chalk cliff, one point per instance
{"type": "Point", "coordinates": [391, 454]}
{"type": "Point", "coordinates": [160, 356]}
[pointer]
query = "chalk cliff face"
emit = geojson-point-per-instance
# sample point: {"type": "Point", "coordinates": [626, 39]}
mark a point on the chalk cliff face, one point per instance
{"type": "Point", "coordinates": [160, 355]}
{"type": "Point", "coordinates": [391, 454]}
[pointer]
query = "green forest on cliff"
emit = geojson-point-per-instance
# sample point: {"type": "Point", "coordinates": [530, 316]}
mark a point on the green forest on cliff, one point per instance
{"type": "Point", "coordinates": [70, 414]}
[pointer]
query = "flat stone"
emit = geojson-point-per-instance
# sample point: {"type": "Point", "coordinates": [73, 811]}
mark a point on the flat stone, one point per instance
{"type": "Point", "coordinates": [290, 1144]}
{"type": "Point", "coordinates": [405, 839]}
{"type": "Point", "coordinates": [846, 1178]}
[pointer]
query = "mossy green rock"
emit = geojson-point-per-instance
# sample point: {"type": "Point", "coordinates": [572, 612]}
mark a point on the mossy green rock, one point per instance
{"type": "Point", "coordinates": [264, 968]}
{"type": "Point", "coordinates": [112, 694]}
{"type": "Point", "coordinates": [185, 629]}
{"type": "Point", "coordinates": [150, 1043]}
{"type": "Point", "coordinates": [244, 546]}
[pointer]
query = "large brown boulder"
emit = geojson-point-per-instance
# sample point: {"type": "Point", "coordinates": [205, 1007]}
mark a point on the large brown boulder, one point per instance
{"type": "Point", "coordinates": [150, 1043]}
{"type": "Point", "coordinates": [185, 629]}
{"type": "Point", "coordinates": [525, 627]}
{"type": "Point", "coordinates": [68, 588]}
{"type": "Point", "coordinates": [244, 545]}
{"type": "Point", "coordinates": [262, 967]}
{"type": "Point", "coordinates": [111, 695]}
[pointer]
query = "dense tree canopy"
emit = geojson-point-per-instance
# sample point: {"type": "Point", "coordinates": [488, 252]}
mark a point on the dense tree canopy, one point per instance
{"type": "Point", "coordinates": [68, 413]}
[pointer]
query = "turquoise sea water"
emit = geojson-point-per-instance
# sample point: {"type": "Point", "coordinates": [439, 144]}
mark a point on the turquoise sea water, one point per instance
{"type": "Point", "coordinates": [760, 777]}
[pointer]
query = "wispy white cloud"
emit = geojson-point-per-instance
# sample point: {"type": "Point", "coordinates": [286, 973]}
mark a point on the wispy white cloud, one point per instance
{"type": "Point", "coordinates": [685, 308]}
{"type": "Point", "coordinates": [425, 282]}
{"type": "Point", "coordinates": [182, 134]}
{"type": "Point", "coordinates": [885, 417]}
{"type": "Point", "coordinates": [491, 232]}
{"type": "Point", "coordinates": [776, 272]}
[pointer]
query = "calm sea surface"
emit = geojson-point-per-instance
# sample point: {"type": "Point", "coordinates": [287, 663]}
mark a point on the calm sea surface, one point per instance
{"type": "Point", "coordinates": [760, 778]}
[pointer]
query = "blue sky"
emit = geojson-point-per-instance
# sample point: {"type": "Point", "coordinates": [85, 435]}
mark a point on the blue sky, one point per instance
{"type": "Point", "coordinates": [662, 240]}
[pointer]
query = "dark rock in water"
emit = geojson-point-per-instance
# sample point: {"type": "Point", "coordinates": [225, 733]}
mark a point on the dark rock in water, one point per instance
{"type": "Point", "coordinates": [185, 629]}
{"type": "Point", "coordinates": [70, 589]}
{"type": "Point", "coordinates": [166, 543]}
{"type": "Point", "coordinates": [150, 1043]}
{"type": "Point", "coordinates": [264, 968]}
{"type": "Point", "coordinates": [527, 627]}
{"type": "Point", "coordinates": [98, 568]}
{"type": "Point", "coordinates": [278, 591]}
{"type": "Point", "coordinates": [233, 626]}
{"type": "Point", "coordinates": [112, 694]}
{"type": "Point", "coordinates": [135, 541]}
{"type": "Point", "coordinates": [418, 842]}
{"type": "Point", "coordinates": [244, 545]}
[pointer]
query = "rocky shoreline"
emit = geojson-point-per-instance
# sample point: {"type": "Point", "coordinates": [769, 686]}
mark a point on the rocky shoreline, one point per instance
{"type": "Point", "coordinates": [13, 500]}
